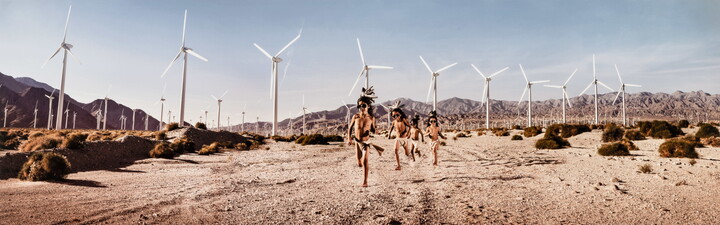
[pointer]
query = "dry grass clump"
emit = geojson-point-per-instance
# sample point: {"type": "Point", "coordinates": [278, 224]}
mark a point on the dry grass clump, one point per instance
{"type": "Point", "coordinates": [162, 150]}
{"type": "Point", "coordinates": [569, 130]}
{"type": "Point", "coordinates": [45, 166]}
{"type": "Point", "coordinates": [313, 139]}
{"type": "Point", "coordinates": [707, 130]}
{"type": "Point", "coordinates": [284, 139]}
{"type": "Point", "coordinates": [712, 141]}
{"type": "Point", "coordinates": [499, 132]}
{"type": "Point", "coordinates": [182, 145]}
{"type": "Point", "coordinates": [552, 142]}
{"type": "Point", "coordinates": [40, 142]}
{"type": "Point", "coordinates": [200, 126]}
{"type": "Point", "coordinates": [634, 135]}
{"type": "Point", "coordinates": [613, 149]}
{"type": "Point", "coordinates": [612, 133]}
{"type": "Point", "coordinates": [693, 139]}
{"type": "Point", "coordinates": [532, 131]}
{"type": "Point", "coordinates": [516, 138]}
{"type": "Point", "coordinates": [659, 129]}
{"type": "Point", "coordinates": [462, 135]}
{"type": "Point", "coordinates": [597, 127]}
{"type": "Point", "coordinates": [517, 127]}
{"type": "Point", "coordinates": [242, 146]}
{"type": "Point", "coordinates": [160, 135]}
{"type": "Point", "coordinates": [683, 124]}
{"type": "Point", "coordinates": [677, 148]}
{"type": "Point", "coordinates": [74, 141]}
{"type": "Point", "coordinates": [629, 144]}
{"type": "Point", "coordinates": [209, 149]}
{"type": "Point", "coordinates": [645, 168]}
{"type": "Point", "coordinates": [692, 162]}
{"type": "Point", "coordinates": [172, 126]}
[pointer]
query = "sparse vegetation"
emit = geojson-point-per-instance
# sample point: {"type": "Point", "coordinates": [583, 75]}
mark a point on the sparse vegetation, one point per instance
{"type": "Point", "coordinates": [162, 150]}
{"type": "Point", "coordinates": [613, 149]}
{"type": "Point", "coordinates": [74, 141]}
{"type": "Point", "coordinates": [629, 144]}
{"type": "Point", "coordinates": [677, 148]}
{"type": "Point", "coordinates": [683, 123]}
{"type": "Point", "coordinates": [172, 126]}
{"type": "Point", "coordinates": [45, 166]}
{"type": "Point", "coordinates": [645, 168]}
{"type": "Point", "coordinates": [516, 138]}
{"type": "Point", "coordinates": [242, 146]}
{"type": "Point", "coordinates": [693, 139]}
{"type": "Point", "coordinates": [210, 149]}
{"type": "Point", "coordinates": [551, 142]}
{"type": "Point", "coordinates": [569, 130]}
{"type": "Point", "coordinates": [692, 162]}
{"type": "Point", "coordinates": [659, 129]}
{"type": "Point", "coordinates": [532, 131]}
{"type": "Point", "coordinates": [461, 135]}
{"type": "Point", "coordinates": [313, 139]}
{"type": "Point", "coordinates": [40, 142]}
{"type": "Point", "coordinates": [612, 133]}
{"type": "Point", "coordinates": [499, 132]}
{"type": "Point", "coordinates": [161, 135]}
{"type": "Point", "coordinates": [712, 141]}
{"type": "Point", "coordinates": [201, 126]}
{"type": "Point", "coordinates": [707, 130]}
{"type": "Point", "coordinates": [182, 145]}
{"type": "Point", "coordinates": [634, 135]}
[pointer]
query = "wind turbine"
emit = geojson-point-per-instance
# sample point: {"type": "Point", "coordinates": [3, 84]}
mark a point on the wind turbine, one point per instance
{"type": "Point", "coordinates": [595, 82]}
{"type": "Point", "coordinates": [67, 114]}
{"type": "Point", "coordinates": [389, 112]}
{"type": "Point", "coordinates": [66, 46]}
{"type": "Point", "coordinates": [106, 110]}
{"type": "Point", "coordinates": [528, 88]}
{"type": "Point", "coordinates": [274, 76]}
{"type": "Point", "coordinates": [219, 100]}
{"type": "Point", "coordinates": [564, 94]}
{"type": "Point", "coordinates": [74, 117]}
{"type": "Point", "coordinates": [122, 120]}
{"type": "Point", "coordinates": [183, 51]}
{"type": "Point", "coordinates": [162, 106]}
{"type": "Point", "coordinates": [622, 90]}
{"type": "Point", "coordinates": [486, 93]}
{"type": "Point", "coordinates": [35, 115]}
{"type": "Point", "coordinates": [5, 116]}
{"type": "Point", "coordinates": [365, 70]}
{"type": "Point", "coordinates": [50, 116]}
{"type": "Point", "coordinates": [433, 82]}
{"type": "Point", "coordinates": [347, 114]}
{"type": "Point", "coordinates": [133, 120]}
{"type": "Point", "coordinates": [304, 110]}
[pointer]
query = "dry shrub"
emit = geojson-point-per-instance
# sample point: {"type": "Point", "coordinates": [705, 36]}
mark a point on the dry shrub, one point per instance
{"type": "Point", "coordinates": [634, 135]}
{"type": "Point", "coordinates": [161, 135]}
{"type": "Point", "coordinates": [284, 139]}
{"type": "Point", "coordinates": [707, 130]}
{"type": "Point", "coordinates": [569, 130]}
{"type": "Point", "coordinates": [517, 127]}
{"type": "Point", "coordinates": [36, 134]}
{"type": "Point", "coordinates": [40, 142]}
{"type": "Point", "coordinates": [645, 168]}
{"type": "Point", "coordinates": [693, 139]}
{"type": "Point", "coordinates": [209, 149]}
{"type": "Point", "coordinates": [162, 150]}
{"type": "Point", "coordinates": [74, 141]}
{"type": "Point", "coordinates": [551, 142]}
{"type": "Point", "coordinates": [712, 141]}
{"type": "Point", "coordinates": [182, 145]}
{"type": "Point", "coordinates": [45, 166]}
{"type": "Point", "coordinates": [629, 144]}
{"type": "Point", "coordinates": [683, 123]}
{"type": "Point", "coordinates": [659, 129]}
{"type": "Point", "coordinates": [461, 135]}
{"type": "Point", "coordinates": [532, 131]}
{"type": "Point", "coordinates": [499, 132]}
{"type": "Point", "coordinates": [313, 139]}
{"type": "Point", "coordinates": [442, 143]}
{"type": "Point", "coordinates": [516, 138]}
{"type": "Point", "coordinates": [242, 146]}
{"type": "Point", "coordinates": [692, 162]}
{"type": "Point", "coordinates": [200, 126]}
{"type": "Point", "coordinates": [677, 148]}
{"type": "Point", "coordinates": [613, 149]}
{"type": "Point", "coordinates": [612, 133]}
{"type": "Point", "coordinates": [172, 126]}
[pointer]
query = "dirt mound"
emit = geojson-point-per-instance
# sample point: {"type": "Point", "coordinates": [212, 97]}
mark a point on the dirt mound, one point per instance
{"type": "Point", "coordinates": [205, 137]}
{"type": "Point", "coordinates": [96, 155]}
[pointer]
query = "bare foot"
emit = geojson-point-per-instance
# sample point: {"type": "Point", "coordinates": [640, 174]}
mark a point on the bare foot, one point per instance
{"type": "Point", "coordinates": [397, 168]}
{"type": "Point", "coordinates": [364, 185]}
{"type": "Point", "coordinates": [434, 164]}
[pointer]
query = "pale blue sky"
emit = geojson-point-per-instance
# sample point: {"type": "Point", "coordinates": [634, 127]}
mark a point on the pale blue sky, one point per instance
{"type": "Point", "coordinates": [663, 45]}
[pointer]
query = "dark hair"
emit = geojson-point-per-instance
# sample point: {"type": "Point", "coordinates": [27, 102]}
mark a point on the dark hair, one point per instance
{"type": "Point", "coordinates": [415, 120]}
{"type": "Point", "coordinates": [367, 101]}
{"type": "Point", "coordinates": [433, 115]}
{"type": "Point", "coordinates": [399, 111]}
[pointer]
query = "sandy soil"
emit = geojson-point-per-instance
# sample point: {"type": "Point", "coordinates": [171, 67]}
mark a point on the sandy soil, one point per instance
{"type": "Point", "coordinates": [480, 180]}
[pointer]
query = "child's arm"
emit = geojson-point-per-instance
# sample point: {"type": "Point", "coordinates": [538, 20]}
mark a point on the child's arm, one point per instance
{"type": "Point", "coordinates": [422, 136]}
{"type": "Point", "coordinates": [440, 133]}
{"type": "Point", "coordinates": [349, 131]}
{"type": "Point", "coordinates": [372, 125]}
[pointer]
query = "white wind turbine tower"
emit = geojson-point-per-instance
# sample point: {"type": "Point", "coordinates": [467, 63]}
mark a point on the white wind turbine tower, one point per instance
{"type": "Point", "coordinates": [147, 118]}
{"type": "Point", "coordinates": [133, 120]}
{"type": "Point", "coordinates": [433, 82]}
{"type": "Point", "coordinates": [304, 110]}
{"type": "Point", "coordinates": [274, 77]}
{"type": "Point", "coordinates": [5, 116]}
{"type": "Point", "coordinates": [486, 93]}
{"type": "Point", "coordinates": [106, 110]}
{"type": "Point", "coordinates": [162, 106]}
{"type": "Point", "coordinates": [219, 101]}
{"type": "Point", "coordinates": [35, 111]}
{"type": "Point", "coordinates": [50, 115]}
{"type": "Point", "coordinates": [74, 117]}
{"type": "Point", "coordinates": [528, 89]}
{"type": "Point", "coordinates": [242, 125]}
{"type": "Point", "coordinates": [622, 90]}
{"type": "Point", "coordinates": [347, 114]}
{"type": "Point", "coordinates": [122, 120]}
{"type": "Point", "coordinates": [595, 82]}
{"type": "Point", "coordinates": [365, 70]}
{"type": "Point", "coordinates": [66, 46]}
{"type": "Point", "coordinates": [183, 50]}
{"type": "Point", "coordinates": [67, 114]}
{"type": "Point", "coordinates": [564, 94]}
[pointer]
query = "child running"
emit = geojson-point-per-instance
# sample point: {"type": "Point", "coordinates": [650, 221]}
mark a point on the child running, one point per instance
{"type": "Point", "coordinates": [415, 135]}
{"type": "Point", "coordinates": [402, 130]}
{"type": "Point", "coordinates": [433, 130]}
{"type": "Point", "coordinates": [364, 124]}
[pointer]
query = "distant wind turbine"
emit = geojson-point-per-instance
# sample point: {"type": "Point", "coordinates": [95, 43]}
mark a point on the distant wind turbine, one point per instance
{"type": "Point", "coordinates": [219, 101]}
{"type": "Point", "coordinates": [595, 82]}
{"type": "Point", "coordinates": [486, 93]}
{"type": "Point", "coordinates": [365, 70]}
{"type": "Point", "coordinates": [622, 90]}
{"type": "Point", "coordinates": [433, 81]}
{"type": "Point", "coordinates": [50, 115]}
{"type": "Point", "coordinates": [564, 94]}
{"type": "Point", "coordinates": [528, 89]}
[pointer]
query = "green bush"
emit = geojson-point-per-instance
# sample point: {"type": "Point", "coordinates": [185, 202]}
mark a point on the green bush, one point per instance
{"type": "Point", "coordinates": [613, 149]}
{"type": "Point", "coordinates": [201, 126]}
{"type": "Point", "coordinates": [634, 135]}
{"type": "Point", "coordinates": [683, 124]}
{"type": "Point", "coordinates": [74, 141]}
{"type": "Point", "coordinates": [182, 145]}
{"type": "Point", "coordinates": [612, 133]}
{"type": "Point", "coordinates": [677, 148]}
{"type": "Point", "coordinates": [45, 166]}
{"type": "Point", "coordinates": [516, 138]}
{"type": "Point", "coordinates": [706, 131]}
{"type": "Point", "coordinates": [172, 126]}
{"type": "Point", "coordinates": [162, 150]}
{"type": "Point", "coordinates": [210, 149]}
{"type": "Point", "coordinates": [659, 129]}
{"type": "Point", "coordinates": [552, 142]}
{"type": "Point", "coordinates": [532, 131]}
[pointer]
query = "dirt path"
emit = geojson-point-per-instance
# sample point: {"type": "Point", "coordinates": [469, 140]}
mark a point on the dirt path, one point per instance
{"type": "Point", "coordinates": [479, 180]}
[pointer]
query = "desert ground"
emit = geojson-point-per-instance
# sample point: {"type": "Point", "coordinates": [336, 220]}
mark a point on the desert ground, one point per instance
{"type": "Point", "coordinates": [480, 180]}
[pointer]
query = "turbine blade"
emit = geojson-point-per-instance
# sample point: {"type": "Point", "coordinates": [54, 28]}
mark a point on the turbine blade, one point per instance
{"type": "Point", "coordinates": [380, 67]}
{"type": "Point", "coordinates": [616, 97]}
{"type": "Point", "coordinates": [74, 57]}
{"type": "Point", "coordinates": [193, 53]}
{"type": "Point", "coordinates": [223, 95]}
{"type": "Point", "coordinates": [482, 100]}
{"type": "Point", "coordinates": [67, 21]}
{"type": "Point", "coordinates": [601, 83]}
{"type": "Point", "coordinates": [426, 65]}
{"type": "Point", "coordinates": [432, 80]}
{"type": "Point", "coordinates": [588, 87]}
{"type": "Point", "coordinates": [356, 81]}
{"type": "Point", "coordinates": [213, 96]}
{"type": "Point", "coordinates": [498, 72]}
{"type": "Point", "coordinates": [523, 95]}
{"type": "Point", "coordinates": [362, 57]}
{"type": "Point", "coordinates": [553, 86]}
{"type": "Point", "coordinates": [633, 85]}
{"type": "Point", "coordinates": [567, 98]}
{"type": "Point", "coordinates": [481, 74]}
{"type": "Point", "coordinates": [523, 73]}
{"type": "Point", "coordinates": [345, 104]}
{"type": "Point", "coordinates": [288, 45]}
{"type": "Point", "coordinates": [53, 55]}
{"type": "Point", "coordinates": [571, 76]}
{"type": "Point", "coordinates": [618, 73]}
{"type": "Point", "coordinates": [53, 92]}
{"type": "Point", "coordinates": [446, 67]}
{"type": "Point", "coordinates": [184, 23]}
{"type": "Point", "coordinates": [539, 82]}
{"type": "Point", "coordinates": [171, 63]}
{"type": "Point", "coordinates": [263, 51]}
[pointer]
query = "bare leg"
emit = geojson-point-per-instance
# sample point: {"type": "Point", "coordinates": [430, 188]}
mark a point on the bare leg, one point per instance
{"type": "Point", "coordinates": [359, 154]}
{"type": "Point", "coordinates": [434, 151]}
{"type": "Point", "coordinates": [411, 146]}
{"type": "Point", "coordinates": [366, 167]}
{"type": "Point", "coordinates": [397, 156]}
